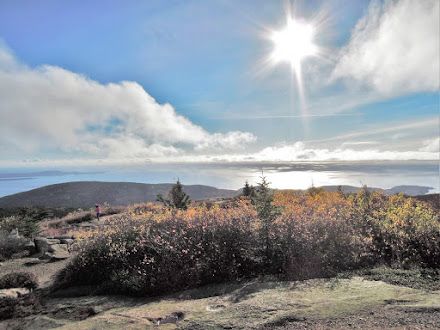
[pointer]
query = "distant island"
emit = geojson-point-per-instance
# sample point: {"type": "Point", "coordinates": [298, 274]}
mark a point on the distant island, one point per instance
{"type": "Point", "coordinates": [87, 193]}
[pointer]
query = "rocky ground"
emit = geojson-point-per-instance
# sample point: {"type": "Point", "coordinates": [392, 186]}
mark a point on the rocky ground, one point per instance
{"type": "Point", "coordinates": [356, 301]}
{"type": "Point", "coordinates": [320, 303]}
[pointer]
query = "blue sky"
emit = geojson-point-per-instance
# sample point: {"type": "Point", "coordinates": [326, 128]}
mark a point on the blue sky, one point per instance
{"type": "Point", "coordinates": [111, 82]}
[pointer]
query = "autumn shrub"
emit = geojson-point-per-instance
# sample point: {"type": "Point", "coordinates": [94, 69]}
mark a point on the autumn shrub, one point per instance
{"type": "Point", "coordinates": [151, 249]}
{"type": "Point", "coordinates": [316, 236]}
{"type": "Point", "coordinates": [408, 232]}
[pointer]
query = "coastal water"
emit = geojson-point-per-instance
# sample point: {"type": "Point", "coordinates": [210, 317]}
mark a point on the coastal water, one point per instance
{"type": "Point", "coordinates": [232, 176]}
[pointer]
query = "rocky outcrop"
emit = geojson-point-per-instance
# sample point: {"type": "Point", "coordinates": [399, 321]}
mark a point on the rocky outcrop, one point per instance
{"type": "Point", "coordinates": [43, 244]}
{"type": "Point", "coordinates": [56, 248]}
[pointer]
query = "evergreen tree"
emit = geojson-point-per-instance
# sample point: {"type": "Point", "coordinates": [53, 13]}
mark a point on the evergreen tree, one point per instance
{"type": "Point", "coordinates": [176, 197]}
{"type": "Point", "coordinates": [248, 190]}
{"type": "Point", "coordinates": [267, 213]}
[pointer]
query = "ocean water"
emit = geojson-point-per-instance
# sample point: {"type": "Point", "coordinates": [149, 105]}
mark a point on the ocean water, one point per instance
{"type": "Point", "coordinates": [299, 175]}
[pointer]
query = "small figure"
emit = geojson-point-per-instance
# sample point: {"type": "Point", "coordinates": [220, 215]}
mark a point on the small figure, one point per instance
{"type": "Point", "coordinates": [98, 211]}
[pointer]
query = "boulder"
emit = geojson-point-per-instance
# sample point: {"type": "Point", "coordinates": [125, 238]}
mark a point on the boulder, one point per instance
{"type": "Point", "coordinates": [56, 252]}
{"type": "Point", "coordinates": [43, 244]}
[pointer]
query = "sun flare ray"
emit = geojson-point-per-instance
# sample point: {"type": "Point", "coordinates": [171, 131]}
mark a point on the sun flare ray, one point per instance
{"type": "Point", "coordinates": [293, 44]}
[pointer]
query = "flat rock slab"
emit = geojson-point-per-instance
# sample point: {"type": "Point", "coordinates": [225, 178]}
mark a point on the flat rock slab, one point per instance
{"type": "Point", "coordinates": [56, 252]}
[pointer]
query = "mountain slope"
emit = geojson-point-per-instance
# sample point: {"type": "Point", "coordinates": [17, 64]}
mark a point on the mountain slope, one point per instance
{"type": "Point", "coordinates": [86, 194]}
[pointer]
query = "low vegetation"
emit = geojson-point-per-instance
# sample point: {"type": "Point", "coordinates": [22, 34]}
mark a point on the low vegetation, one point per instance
{"type": "Point", "coordinates": [19, 280]}
{"type": "Point", "coordinates": [417, 278]}
{"type": "Point", "coordinates": [19, 307]}
{"type": "Point", "coordinates": [79, 216]}
{"type": "Point", "coordinates": [19, 225]}
{"type": "Point", "coordinates": [151, 249]}
{"type": "Point", "coordinates": [11, 245]}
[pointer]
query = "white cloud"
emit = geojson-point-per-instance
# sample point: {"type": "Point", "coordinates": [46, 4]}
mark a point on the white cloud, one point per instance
{"type": "Point", "coordinates": [299, 151]}
{"type": "Point", "coordinates": [49, 108]}
{"type": "Point", "coordinates": [359, 143]}
{"type": "Point", "coordinates": [431, 145]}
{"type": "Point", "coordinates": [395, 48]}
{"type": "Point", "coordinates": [230, 140]}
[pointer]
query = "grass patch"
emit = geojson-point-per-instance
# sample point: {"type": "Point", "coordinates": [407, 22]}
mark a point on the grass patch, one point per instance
{"type": "Point", "coordinates": [417, 278]}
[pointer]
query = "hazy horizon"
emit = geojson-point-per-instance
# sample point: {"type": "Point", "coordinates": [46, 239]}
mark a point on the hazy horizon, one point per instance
{"type": "Point", "coordinates": [285, 175]}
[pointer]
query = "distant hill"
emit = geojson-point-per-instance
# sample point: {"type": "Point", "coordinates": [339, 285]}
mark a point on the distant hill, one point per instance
{"type": "Point", "coordinates": [86, 194]}
{"type": "Point", "coordinates": [407, 190]}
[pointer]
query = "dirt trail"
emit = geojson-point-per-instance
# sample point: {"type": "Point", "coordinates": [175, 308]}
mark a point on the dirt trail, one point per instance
{"type": "Point", "coordinates": [44, 270]}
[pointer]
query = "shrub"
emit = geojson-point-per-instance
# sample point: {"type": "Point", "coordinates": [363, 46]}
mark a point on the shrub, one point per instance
{"type": "Point", "coordinates": [110, 209]}
{"type": "Point", "coordinates": [407, 232]}
{"type": "Point", "coordinates": [162, 250]}
{"type": "Point", "coordinates": [19, 280]}
{"type": "Point", "coordinates": [152, 249]}
{"type": "Point", "coordinates": [316, 237]}
{"type": "Point", "coordinates": [11, 245]}
{"type": "Point", "coordinates": [26, 226]}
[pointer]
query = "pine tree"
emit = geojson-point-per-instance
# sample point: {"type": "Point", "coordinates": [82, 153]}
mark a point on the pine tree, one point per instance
{"type": "Point", "coordinates": [176, 197]}
{"type": "Point", "coordinates": [267, 213]}
{"type": "Point", "coordinates": [248, 190]}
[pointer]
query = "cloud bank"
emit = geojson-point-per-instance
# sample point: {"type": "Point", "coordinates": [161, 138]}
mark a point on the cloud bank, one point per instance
{"type": "Point", "coordinates": [50, 108]}
{"type": "Point", "coordinates": [431, 145]}
{"type": "Point", "coordinates": [395, 48]}
{"type": "Point", "coordinates": [299, 151]}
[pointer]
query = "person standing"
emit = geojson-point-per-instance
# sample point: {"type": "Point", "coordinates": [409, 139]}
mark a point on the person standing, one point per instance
{"type": "Point", "coordinates": [98, 211]}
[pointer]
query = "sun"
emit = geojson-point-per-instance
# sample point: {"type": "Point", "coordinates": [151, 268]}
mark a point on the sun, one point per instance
{"type": "Point", "coordinates": [293, 43]}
